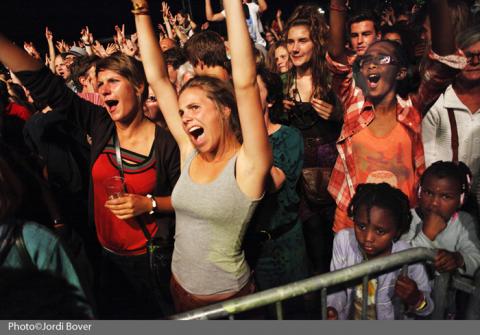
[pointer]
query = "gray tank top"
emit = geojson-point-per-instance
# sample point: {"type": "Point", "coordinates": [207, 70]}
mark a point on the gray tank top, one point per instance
{"type": "Point", "coordinates": [211, 220]}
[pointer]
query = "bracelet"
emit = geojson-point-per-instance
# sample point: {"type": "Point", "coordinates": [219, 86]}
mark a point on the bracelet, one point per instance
{"type": "Point", "coordinates": [154, 204]}
{"type": "Point", "coordinates": [142, 11]}
{"type": "Point", "coordinates": [422, 305]}
{"type": "Point", "coordinates": [337, 8]}
{"type": "Point", "coordinates": [87, 44]}
{"type": "Point", "coordinates": [140, 8]}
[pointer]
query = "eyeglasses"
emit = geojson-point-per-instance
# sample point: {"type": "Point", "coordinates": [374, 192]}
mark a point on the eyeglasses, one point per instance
{"type": "Point", "coordinates": [152, 98]}
{"type": "Point", "coordinates": [377, 60]}
{"type": "Point", "coordinates": [470, 55]}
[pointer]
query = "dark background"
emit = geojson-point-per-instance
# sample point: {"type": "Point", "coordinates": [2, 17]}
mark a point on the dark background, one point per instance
{"type": "Point", "coordinates": [23, 20]}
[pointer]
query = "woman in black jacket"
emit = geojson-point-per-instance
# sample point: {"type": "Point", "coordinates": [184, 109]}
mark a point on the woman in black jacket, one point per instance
{"type": "Point", "coordinates": [150, 160]}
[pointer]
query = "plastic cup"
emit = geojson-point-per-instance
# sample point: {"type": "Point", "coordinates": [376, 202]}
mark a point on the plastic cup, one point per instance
{"type": "Point", "coordinates": [114, 187]}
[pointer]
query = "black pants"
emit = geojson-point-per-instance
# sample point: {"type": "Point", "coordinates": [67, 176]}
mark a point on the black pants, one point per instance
{"type": "Point", "coordinates": [127, 291]}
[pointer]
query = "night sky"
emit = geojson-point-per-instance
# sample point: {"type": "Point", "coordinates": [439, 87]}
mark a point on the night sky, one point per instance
{"type": "Point", "coordinates": [23, 20]}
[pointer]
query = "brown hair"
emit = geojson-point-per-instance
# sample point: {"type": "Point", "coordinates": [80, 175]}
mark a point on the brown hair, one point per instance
{"type": "Point", "coordinates": [208, 47]}
{"type": "Point", "coordinates": [308, 16]}
{"type": "Point", "coordinates": [270, 62]}
{"type": "Point", "coordinates": [222, 94]}
{"type": "Point", "coordinates": [127, 67]}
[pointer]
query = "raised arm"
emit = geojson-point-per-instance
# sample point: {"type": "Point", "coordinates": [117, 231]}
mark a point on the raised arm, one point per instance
{"type": "Point", "coordinates": [209, 13]}
{"type": "Point", "coordinates": [157, 75]}
{"type": "Point", "coordinates": [51, 49]}
{"type": "Point", "coordinates": [336, 42]}
{"type": "Point", "coordinates": [443, 39]}
{"type": "Point", "coordinates": [256, 148]}
{"type": "Point", "coordinates": [262, 6]}
{"type": "Point", "coordinates": [15, 58]}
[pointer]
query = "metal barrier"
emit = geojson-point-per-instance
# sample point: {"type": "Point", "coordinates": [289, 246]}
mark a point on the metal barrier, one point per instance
{"type": "Point", "coordinates": [321, 282]}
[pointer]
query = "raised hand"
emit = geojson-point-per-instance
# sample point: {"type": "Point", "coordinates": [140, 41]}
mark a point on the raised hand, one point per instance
{"type": "Point", "coordinates": [86, 36]}
{"type": "Point", "coordinates": [48, 35]}
{"type": "Point", "coordinates": [99, 50]}
{"type": "Point", "coordinates": [31, 50]}
{"type": "Point", "coordinates": [120, 34]}
{"type": "Point", "coordinates": [111, 49]}
{"type": "Point", "coordinates": [332, 313]}
{"type": "Point", "coordinates": [62, 46]}
{"type": "Point", "coordinates": [205, 26]}
{"type": "Point", "coordinates": [129, 48]}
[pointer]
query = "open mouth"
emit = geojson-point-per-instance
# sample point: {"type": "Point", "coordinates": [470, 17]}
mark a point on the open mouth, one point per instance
{"type": "Point", "coordinates": [196, 132]}
{"type": "Point", "coordinates": [373, 80]}
{"type": "Point", "coordinates": [112, 104]}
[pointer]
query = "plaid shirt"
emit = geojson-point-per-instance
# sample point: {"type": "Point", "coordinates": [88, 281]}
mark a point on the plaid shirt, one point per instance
{"type": "Point", "coordinates": [359, 112]}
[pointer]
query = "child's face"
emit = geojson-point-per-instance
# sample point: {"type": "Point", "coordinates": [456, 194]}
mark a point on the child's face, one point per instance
{"type": "Point", "coordinates": [380, 70]}
{"type": "Point", "coordinates": [440, 195]}
{"type": "Point", "coordinates": [375, 236]}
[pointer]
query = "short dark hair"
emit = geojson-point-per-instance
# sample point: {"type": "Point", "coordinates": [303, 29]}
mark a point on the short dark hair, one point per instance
{"type": "Point", "coordinates": [175, 57]}
{"type": "Point", "coordinates": [208, 47]}
{"type": "Point", "coordinates": [386, 197]}
{"type": "Point", "coordinates": [127, 67]}
{"type": "Point", "coordinates": [363, 16]}
{"type": "Point", "coordinates": [458, 172]}
{"type": "Point", "coordinates": [274, 86]}
{"type": "Point", "coordinates": [80, 67]}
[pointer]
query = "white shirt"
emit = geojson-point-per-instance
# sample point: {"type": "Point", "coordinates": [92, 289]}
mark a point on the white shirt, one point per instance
{"type": "Point", "coordinates": [437, 134]}
{"type": "Point", "coordinates": [254, 24]}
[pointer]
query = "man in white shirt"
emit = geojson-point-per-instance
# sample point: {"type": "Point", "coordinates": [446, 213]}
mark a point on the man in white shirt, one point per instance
{"type": "Point", "coordinates": [463, 99]}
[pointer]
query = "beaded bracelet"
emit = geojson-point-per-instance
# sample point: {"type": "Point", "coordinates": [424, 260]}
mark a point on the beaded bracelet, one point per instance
{"type": "Point", "coordinates": [140, 8]}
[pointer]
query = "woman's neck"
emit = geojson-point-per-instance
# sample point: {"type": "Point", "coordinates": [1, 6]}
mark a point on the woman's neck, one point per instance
{"type": "Point", "coordinates": [132, 128]}
{"type": "Point", "coordinates": [303, 71]}
{"type": "Point", "coordinates": [226, 149]}
{"type": "Point", "coordinates": [387, 105]}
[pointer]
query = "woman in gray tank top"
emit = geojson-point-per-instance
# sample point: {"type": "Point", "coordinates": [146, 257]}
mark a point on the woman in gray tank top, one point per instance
{"type": "Point", "coordinates": [223, 169]}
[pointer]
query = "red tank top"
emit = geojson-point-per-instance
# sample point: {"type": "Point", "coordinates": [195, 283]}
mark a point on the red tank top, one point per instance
{"type": "Point", "coordinates": [123, 237]}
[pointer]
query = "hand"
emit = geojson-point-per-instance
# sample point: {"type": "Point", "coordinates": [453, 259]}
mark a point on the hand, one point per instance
{"type": "Point", "coordinates": [48, 35]}
{"type": "Point", "coordinates": [31, 50]}
{"type": "Point", "coordinates": [129, 48]}
{"type": "Point", "coordinates": [446, 261]}
{"type": "Point", "coordinates": [165, 8]}
{"type": "Point", "coordinates": [406, 289]}
{"type": "Point", "coordinates": [161, 28]}
{"type": "Point", "coordinates": [433, 224]}
{"type": "Point", "coordinates": [204, 26]}
{"type": "Point", "coordinates": [47, 60]}
{"type": "Point", "coordinates": [323, 109]}
{"type": "Point", "coordinates": [86, 36]}
{"type": "Point", "coordinates": [62, 46]}
{"type": "Point", "coordinates": [288, 104]}
{"type": "Point", "coordinates": [129, 206]}
{"type": "Point", "coordinates": [278, 14]}
{"type": "Point", "coordinates": [332, 313]}
{"type": "Point", "coordinates": [120, 33]}
{"type": "Point", "coordinates": [111, 49]}
{"type": "Point", "coordinates": [99, 50]}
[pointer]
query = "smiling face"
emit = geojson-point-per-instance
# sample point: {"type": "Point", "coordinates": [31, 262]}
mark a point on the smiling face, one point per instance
{"type": "Point", "coordinates": [203, 121]}
{"type": "Point", "coordinates": [281, 60]}
{"type": "Point", "coordinates": [440, 195]}
{"type": "Point", "coordinates": [121, 97]}
{"type": "Point", "coordinates": [362, 34]}
{"type": "Point", "coordinates": [300, 45]}
{"type": "Point", "coordinates": [380, 77]}
{"type": "Point", "coordinates": [375, 231]}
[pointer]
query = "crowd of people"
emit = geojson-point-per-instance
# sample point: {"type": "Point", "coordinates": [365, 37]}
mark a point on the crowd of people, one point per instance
{"type": "Point", "coordinates": [178, 167]}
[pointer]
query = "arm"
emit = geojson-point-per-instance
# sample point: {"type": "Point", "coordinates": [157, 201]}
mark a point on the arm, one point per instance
{"type": "Point", "coordinates": [87, 39]}
{"type": "Point", "coordinates": [338, 300]}
{"type": "Point", "coordinates": [157, 77]}
{"type": "Point", "coordinates": [443, 39]}
{"type": "Point", "coordinates": [262, 6]}
{"type": "Point", "coordinates": [51, 49]}
{"type": "Point", "coordinates": [468, 244]}
{"type": "Point", "coordinates": [279, 20]}
{"type": "Point", "coordinates": [336, 42]}
{"type": "Point", "coordinates": [209, 13]}
{"type": "Point", "coordinates": [192, 23]}
{"type": "Point", "coordinates": [255, 157]}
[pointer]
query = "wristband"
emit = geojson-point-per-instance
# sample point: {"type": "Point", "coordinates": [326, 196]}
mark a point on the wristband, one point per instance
{"type": "Point", "coordinates": [337, 8]}
{"type": "Point", "coordinates": [154, 204]}
{"type": "Point", "coordinates": [422, 305]}
{"type": "Point", "coordinates": [87, 44]}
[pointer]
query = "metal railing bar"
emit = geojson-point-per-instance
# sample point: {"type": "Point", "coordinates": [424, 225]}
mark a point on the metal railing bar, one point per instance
{"type": "Point", "coordinates": [279, 310]}
{"type": "Point", "coordinates": [324, 303]}
{"type": "Point", "coordinates": [267, 297]}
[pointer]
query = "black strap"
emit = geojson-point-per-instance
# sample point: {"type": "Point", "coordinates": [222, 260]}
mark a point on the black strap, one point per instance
{"type": "Point", "coordinates": [118, 155]}
{"type": "Point", "coordinates": [454, 130]}
{"type": "Point", "coordinates": [27, 262]}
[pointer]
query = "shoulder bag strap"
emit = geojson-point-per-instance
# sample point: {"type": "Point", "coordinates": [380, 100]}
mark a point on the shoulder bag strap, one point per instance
{"type": "Point", "coordinates": [453, 127]}
{"type": "Point", "coordinates": [25, 257]}
{"type": "Point", "coordinates": [120, 169]}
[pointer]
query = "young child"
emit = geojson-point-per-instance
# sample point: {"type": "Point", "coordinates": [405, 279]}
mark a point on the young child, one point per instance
{"type": "Point", "coordinates": [381, 215]}
{"type": "Point", "coordinates": [439, 224]}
